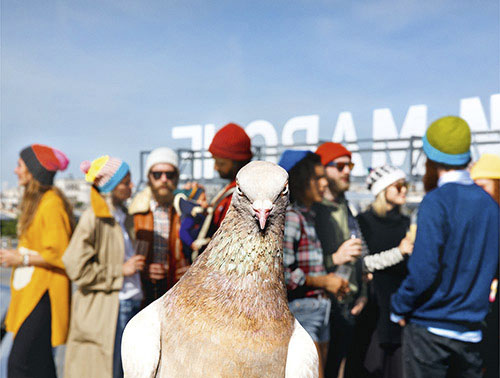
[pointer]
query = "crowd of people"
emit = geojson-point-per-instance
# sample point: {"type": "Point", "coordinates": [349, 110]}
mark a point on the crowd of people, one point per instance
{"type": "Point", "coordinates": [382, 293]}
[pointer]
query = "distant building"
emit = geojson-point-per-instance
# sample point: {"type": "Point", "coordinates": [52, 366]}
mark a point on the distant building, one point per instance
{"type": "Point", "coordinates": [9, 199]}
{"type": "Point", "coordinates": [76, 190]}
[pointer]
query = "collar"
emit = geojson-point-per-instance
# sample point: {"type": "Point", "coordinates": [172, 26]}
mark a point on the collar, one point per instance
{"type": "Point", "coordinates": [155, 206]}
{"type": "Point", "coordinates": [306, 211]}
{"type": "Point", "coordinates": [340, 200]}
{"type": "Point", "coordinates": [232, 184]}
{"type": "Point", "coordinates": [119, 215]}
{"type": "Point", "coordinates": [101, 207]}
{"type": "Point", "coordinates": [456, 176]}
{"type": "Point", "coordinates": [141, 202]}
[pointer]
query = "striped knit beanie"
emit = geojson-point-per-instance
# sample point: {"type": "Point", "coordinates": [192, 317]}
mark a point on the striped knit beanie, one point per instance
{"type": "Point", "coordinates": [231, 142]}
{"type": "Point", "coordinates": [447, 141]}
{"type": "Point", "coordinates": [105, 172]}
{"type": "Point", "coordinates": [43, 162]}
{"type": "Point", "coordinates": [381, 177]}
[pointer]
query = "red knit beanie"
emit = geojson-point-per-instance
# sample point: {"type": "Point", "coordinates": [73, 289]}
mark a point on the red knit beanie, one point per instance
{"type": "Point", "coordinates": [330, 151]}
{"type": "Point", "coordinates": [231, 142]}
{"type": "Point", "coordinates": [43, 162]}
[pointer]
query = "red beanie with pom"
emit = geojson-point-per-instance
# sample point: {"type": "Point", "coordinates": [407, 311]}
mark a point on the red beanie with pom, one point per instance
{"type": "Point", "coordinates": [231, 142]}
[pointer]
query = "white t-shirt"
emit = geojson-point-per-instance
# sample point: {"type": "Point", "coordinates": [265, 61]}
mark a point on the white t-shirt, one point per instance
{"type": "Point", "coordinates": [131, 288]}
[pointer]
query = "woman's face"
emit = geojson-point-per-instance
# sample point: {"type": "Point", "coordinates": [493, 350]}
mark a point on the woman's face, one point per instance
{"type": "Point", "coordinates": [317, 185]}
{"type": "Point", "coordinates": [395, 194]}
{"type": "Point", "coordinates": [23, 175]}
{"type": "Point", "coordinates": [123, 190]}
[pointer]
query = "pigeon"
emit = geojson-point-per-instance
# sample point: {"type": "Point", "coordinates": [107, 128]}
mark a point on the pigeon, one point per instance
{"type": "Point", "coordinates": [228, 315]}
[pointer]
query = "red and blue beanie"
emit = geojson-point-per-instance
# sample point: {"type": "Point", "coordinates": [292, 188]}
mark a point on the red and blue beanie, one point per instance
{"type": "Point", "coordinates": [105, 172]}
{"type": "Point", "coordinates": [43, 162]}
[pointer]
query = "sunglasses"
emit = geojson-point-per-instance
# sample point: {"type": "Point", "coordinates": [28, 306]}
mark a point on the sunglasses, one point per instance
{"type": "Point", "coordinates": [400, 185]}
{"type": "Point", "coordinates": [341, 165]}
{"type": "Point", "coordinates": [169, 174]}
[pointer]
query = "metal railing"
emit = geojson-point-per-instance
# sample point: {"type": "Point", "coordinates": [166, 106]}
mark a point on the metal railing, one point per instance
{"type": "Point", "coordinates": [192, 163]}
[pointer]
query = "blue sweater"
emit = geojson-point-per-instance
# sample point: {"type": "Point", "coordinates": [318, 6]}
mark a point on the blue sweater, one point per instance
{"type": "Point", "coordinates": [454, 259]}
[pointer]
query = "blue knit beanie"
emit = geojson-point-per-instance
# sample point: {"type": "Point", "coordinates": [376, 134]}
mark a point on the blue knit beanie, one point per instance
{"type": "Point", "coordinates": [290, 158]}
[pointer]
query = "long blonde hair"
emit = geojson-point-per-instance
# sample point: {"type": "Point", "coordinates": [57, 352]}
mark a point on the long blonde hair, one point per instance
{"type": "Point", "coordinates": [379, 206]}
{"type": "Point", "coordinates": [33, 193]}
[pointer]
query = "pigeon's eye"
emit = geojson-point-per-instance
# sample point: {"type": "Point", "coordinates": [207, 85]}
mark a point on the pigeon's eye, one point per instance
{"type": "Point", "coordinates": [285, 191]}
{"type": "Point", "coordinates": [238, 190]}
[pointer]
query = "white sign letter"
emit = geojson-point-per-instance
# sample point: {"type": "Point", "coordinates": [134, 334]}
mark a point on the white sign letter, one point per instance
{"type": "Point", "coordinates": [208, 162]}
{"type": "Point", "coordinates": [267, 131]}
{"type": "Point", "coordinates": [309, 124]}
{"type": "Point", "coordinates": [194, 133]}
{"type": "Point", "coordinates": [345, 131]}
{"type": "Point", "coordinates": [384, 127]}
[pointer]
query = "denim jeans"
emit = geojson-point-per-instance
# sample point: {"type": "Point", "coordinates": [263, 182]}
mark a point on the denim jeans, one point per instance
{"type": "Point", "coordinates": [314, 315]}
{"type": "Point", "coordinates": [128, 309]}
{"type": "Point", "coordinates": [428, 355]}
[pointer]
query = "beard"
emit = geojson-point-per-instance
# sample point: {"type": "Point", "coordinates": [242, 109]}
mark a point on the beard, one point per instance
{"type": "Point", "coordinates": [226, 175]}
{"type": "Point", "coordinates": [340, 185]}
{"type": "Point", "coordinates": [163, 195]}
{"type": "Point", "coordinates": [431, 176]}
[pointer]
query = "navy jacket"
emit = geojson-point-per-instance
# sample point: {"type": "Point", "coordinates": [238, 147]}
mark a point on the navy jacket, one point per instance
{"type": "Point", "coordinates": [454, 259]}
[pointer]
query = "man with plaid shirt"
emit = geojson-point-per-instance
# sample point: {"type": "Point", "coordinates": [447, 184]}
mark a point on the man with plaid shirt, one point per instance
{"type": "Point", "coordinates": [157, 225]}
{"type": "Point", "coordinates": [305, 274]}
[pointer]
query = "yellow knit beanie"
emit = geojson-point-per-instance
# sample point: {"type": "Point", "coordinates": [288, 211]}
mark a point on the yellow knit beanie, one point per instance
{"type": "Point", "coordinates": [488, 166]}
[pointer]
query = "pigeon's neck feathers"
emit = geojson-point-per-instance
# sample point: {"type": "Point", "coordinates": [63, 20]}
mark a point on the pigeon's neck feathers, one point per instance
{"type": "Point", "coordinates": [241, 256]}
{"type": "Point", "coordinates": [244, 250]}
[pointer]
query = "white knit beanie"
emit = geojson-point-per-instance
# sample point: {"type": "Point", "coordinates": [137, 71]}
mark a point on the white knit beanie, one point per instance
{"type": "Point", "coordinates": [381, 177]}
{"type": "Point", "coordinates": [162, 155]}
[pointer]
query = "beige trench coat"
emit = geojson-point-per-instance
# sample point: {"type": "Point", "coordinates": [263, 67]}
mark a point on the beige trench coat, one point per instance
{"type": "Point", "coordinates": [94, 260]}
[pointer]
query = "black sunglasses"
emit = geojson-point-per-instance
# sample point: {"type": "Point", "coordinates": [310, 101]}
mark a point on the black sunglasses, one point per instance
{"type": "Point", "coordinates": [169, 174]}
{"type": "Point", "coordinates": [341, 165]}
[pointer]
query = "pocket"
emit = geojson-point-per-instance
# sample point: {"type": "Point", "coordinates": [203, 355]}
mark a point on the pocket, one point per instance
{"type": "Point", "coordinates": [426, 348]}
{"type": "Point", "coordinates": [304, 305]}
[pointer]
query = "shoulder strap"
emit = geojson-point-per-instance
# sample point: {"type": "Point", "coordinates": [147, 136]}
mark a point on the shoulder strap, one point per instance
{"type": "Point", "coordinates": [221, 195]}
{"type": "Point", "coordinates": [202, 239]}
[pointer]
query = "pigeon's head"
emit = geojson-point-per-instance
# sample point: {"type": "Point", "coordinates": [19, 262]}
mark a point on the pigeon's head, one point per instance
{"type": "Point", "coordinates": [261, 191]}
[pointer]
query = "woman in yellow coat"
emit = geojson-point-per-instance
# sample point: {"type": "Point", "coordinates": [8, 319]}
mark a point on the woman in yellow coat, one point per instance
{"type": "Point", "coordinates": [38, 312]}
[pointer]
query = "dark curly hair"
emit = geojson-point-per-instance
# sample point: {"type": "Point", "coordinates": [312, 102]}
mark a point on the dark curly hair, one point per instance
{"type": "Point", "coordinates": [300, 176]}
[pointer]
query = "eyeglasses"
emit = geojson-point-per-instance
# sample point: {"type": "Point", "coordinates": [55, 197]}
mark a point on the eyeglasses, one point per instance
{"type": "Point", "coordinates": [400, 185]}
{"type": "Point", "coordinates": [169, 174]}
{"type": "Point", "coordinates": [341, 165]}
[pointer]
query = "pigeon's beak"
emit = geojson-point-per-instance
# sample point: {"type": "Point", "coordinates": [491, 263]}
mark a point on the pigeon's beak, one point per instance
{"type": "Point", "coordinates": [262, 210]}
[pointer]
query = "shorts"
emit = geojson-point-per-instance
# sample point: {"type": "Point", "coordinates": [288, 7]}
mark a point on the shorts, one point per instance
{"type": "Point", "coordinates": [314, 315]}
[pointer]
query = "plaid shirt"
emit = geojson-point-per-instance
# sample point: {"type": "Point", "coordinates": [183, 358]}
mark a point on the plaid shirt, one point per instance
{"type": "Point", "coordinates": [302, 253]}
{"type": "Point", "coordinates": [161, 232]}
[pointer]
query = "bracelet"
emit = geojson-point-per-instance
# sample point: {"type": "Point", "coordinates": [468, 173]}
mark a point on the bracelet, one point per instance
{"type": "Point", "coordinates": [26, 260]}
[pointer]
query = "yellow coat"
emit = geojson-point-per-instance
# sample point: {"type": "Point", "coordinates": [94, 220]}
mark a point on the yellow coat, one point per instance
{"type": "Point", "coordinates": [48, 235]}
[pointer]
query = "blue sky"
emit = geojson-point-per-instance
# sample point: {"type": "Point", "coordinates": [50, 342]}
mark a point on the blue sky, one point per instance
{"type": "Point", "coordinates": [113, 77]}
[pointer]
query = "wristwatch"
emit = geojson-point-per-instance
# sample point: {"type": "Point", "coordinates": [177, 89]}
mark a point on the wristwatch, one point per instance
{"type": "Point", "coordinates": [26, 260]}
